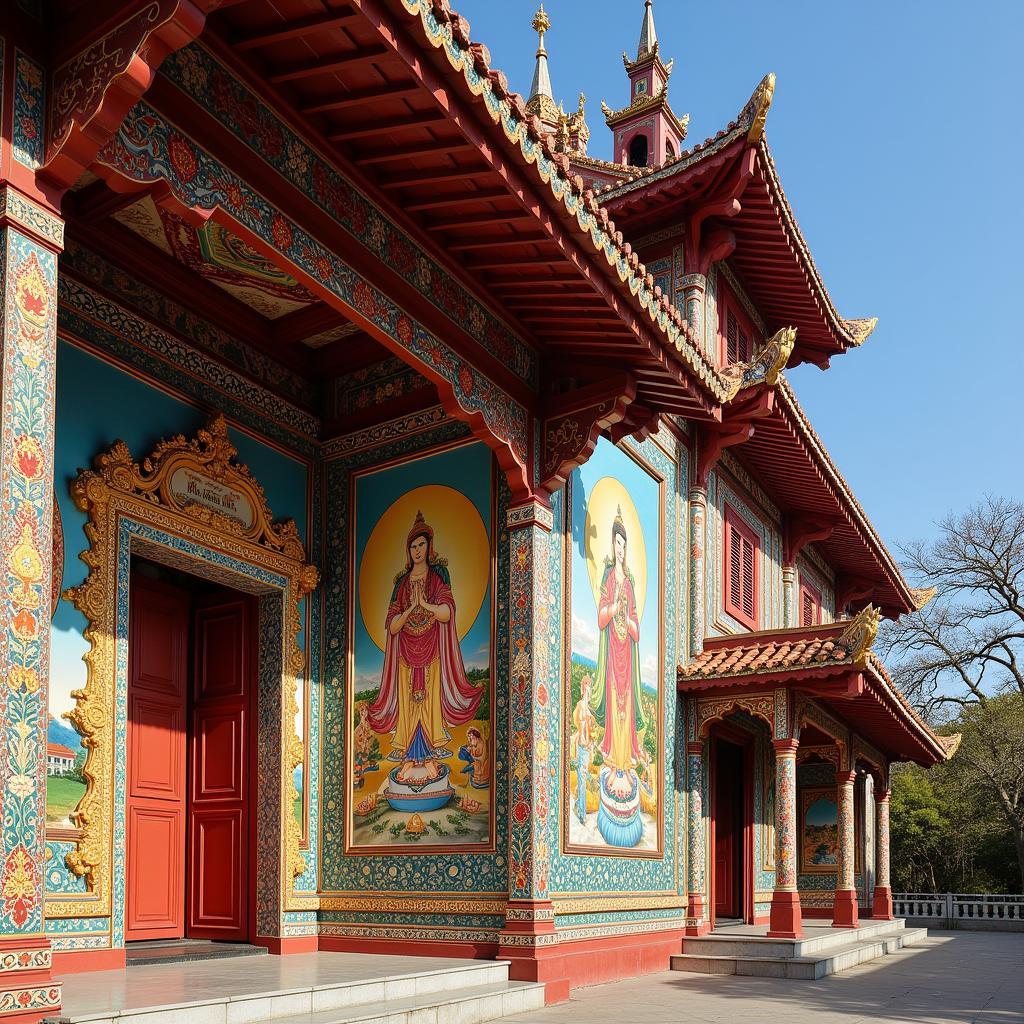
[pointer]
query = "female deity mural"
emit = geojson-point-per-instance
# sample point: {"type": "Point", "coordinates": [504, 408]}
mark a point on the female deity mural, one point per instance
{"type": "Point", "coordinates": [421, 730]}
{"type": "Point", "coordinates": [423, 688]}
{"type": "Point", "coordinates": [615, 697]}
{"type": "Point", "coordinates": [613, 682]}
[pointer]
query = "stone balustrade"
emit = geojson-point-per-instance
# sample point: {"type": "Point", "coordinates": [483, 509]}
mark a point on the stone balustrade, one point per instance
{"type": "Point", "coordinates": [972, 911]}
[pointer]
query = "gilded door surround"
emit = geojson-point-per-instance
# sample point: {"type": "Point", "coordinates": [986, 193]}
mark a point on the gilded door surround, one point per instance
{"type": "Point", "coordinates": [190, 505]}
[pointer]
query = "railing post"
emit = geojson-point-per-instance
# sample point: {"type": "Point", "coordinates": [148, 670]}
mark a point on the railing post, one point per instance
{"type": "Point", "coordinates": [950, 905]}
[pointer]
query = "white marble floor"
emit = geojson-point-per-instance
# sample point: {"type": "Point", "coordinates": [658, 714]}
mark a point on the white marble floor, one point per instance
{"type": "Point", "coordinates": [172, 985]}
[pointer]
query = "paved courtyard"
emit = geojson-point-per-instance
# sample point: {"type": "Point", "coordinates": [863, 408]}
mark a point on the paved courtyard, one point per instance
{"type": "Point", "coordinates": [951, 978]}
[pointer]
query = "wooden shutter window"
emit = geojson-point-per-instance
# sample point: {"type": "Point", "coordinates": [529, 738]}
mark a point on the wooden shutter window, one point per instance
{"type": "Point", "coordinates": [810, 606]}
{"type": "Point", "coordinates": [748, 578]}
{"type": "Point", "coordinates": [732, 338]}
{"type": "Point", "coordinates": [740, 570]}
{"type": "Point", "coordinates": [735, 567]}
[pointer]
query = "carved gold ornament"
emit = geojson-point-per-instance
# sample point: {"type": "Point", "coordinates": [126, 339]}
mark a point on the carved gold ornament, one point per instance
{"type": "Point", "coordinates": [192, 489]}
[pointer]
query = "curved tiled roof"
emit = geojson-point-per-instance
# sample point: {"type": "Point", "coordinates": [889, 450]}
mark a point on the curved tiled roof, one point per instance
{"type": "Point", "coordinates": [834, 644]}
{"type": "Point", "coordinates": [447, 31]}
{"type": "Point", "coordinates": [750, 125]}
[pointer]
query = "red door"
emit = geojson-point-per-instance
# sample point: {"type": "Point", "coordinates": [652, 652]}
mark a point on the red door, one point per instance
{"type": "Point", "coordinates": [728, 829]}
{"type": "Point", "coordinates": [220, 769]}
{"type": "Point", "coordinates": [157, 675]}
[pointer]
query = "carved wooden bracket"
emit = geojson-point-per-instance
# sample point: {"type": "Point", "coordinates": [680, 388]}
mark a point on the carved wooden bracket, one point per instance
{"type": "Point", "coordinates": [801, 529]}
{"type": "Point", "coordinates": [96, 85]}
{"type": "Point", "coordinates": [574, 420]}
{"type": "Point", "coordinates": [703, 250]}
{"type": "Point", "coordinates": [850, 589]}
{"type": "Point", "coordinates": [737, 426]}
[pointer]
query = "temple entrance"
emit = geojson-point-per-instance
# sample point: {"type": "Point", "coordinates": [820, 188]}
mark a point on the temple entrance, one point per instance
{"type": "Point", "coordinates": [191, 758]}
{"type": "Point", "coordinates": [730, 835]}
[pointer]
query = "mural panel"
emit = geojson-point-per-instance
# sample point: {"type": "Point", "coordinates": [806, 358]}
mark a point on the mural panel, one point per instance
{"type": "Point", "coordinates": [819, 830]}
{"type": "Point", "coordinates": [421, 760]}
{"type": "Point", "coordinates": [613, 802]}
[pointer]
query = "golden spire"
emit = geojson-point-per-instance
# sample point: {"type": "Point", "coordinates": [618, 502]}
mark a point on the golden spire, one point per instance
{"type": "Point", "coordinates": [541, 101]}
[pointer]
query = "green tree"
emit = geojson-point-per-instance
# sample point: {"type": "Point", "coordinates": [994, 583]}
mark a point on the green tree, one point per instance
{"type": "Point", "coordinates": [961, 657]}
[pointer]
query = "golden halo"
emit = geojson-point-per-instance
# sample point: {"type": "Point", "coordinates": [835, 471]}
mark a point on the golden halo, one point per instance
{"type": "Point", "coordinates": [607, 497]}
{"type": "Point", "coordinates": [459, 536]}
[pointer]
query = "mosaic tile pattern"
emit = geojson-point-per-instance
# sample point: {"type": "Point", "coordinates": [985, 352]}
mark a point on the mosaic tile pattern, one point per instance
{"type": "Point", "coordinates": [28, 139]}
{"type": "Point", "coordinates": [28, 279]}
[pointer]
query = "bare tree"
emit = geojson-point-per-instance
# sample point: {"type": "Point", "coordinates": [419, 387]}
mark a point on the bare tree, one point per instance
{"type": "Point", "coordinates": [961, 657]}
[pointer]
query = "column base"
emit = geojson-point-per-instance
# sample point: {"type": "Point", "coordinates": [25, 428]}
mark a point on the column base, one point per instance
{"type": "Point", "coordinates": [785, 921]}
{"type": "Point", "coordinates": [27, 989]}
{"type": "Point", "coordinates": [529, 943]}
{"type": "Point", "coordinates": [844, 909]}
{"type": "Point", "coordinates": [881, 905]}
{"type": "Point", "coordinates": [697, 923]}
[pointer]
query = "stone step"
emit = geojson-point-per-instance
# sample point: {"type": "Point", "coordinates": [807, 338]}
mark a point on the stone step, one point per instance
{"type": "Point", "coordinates": [804, 968]}
{"type": "Point", "coordinates": [727, 943]}
{"type": "Point", "coordinates": [466, 1006]}
{"type": "Point", "coordinates": [184, 951]}
{"type": "Point", "coordinates": [355, 999]}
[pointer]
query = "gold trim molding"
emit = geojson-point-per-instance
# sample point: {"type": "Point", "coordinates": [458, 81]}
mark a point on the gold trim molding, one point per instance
{"type": "Point", "coordinates": [192, 489]}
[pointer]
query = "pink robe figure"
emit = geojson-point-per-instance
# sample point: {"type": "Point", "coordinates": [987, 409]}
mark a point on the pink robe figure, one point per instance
{"type": "Point", "coordinates": [616, 693]}
{"type": "Point", "coordinates": [423, 683]}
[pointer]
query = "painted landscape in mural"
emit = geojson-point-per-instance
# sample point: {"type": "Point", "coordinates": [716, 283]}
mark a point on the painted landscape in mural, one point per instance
{"type": "Point", "coordinates": [819, 831]}
{"type": "Point", "coordinates": [613, 686]}
{"type": "Point", "coordinates": [65, 755]}
{"type": "Point", "coordinates": [420, 733]}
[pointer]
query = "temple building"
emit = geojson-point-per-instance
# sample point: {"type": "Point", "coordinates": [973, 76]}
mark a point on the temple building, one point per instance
{"type": "Point", "coordinates": [411, 543]}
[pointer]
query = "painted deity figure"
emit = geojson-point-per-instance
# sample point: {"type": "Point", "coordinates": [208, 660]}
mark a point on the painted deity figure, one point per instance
{"type": "Point", "coordinates": [363, 745]}
{"type": "Point", "coordinates": [615, 699]}
{"type": "Point", "coordinates": [585, 726]}
{"type": "Point", "coordinates": [475, 757]}
{"type": "Point", "coordinates": [423, 688]}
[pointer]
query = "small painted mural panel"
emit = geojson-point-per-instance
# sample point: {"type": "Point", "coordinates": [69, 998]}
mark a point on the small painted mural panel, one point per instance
{"type": "Point", "coordinates": [421, 722]}
{"type": "Point", "coordinates": [613, 800]}
{"type": "Point", "coordinates": [819, 830]}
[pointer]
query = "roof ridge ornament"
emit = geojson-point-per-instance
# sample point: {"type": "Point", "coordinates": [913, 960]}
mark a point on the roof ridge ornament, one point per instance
{"type": "Point", "coordinates": [765, 368]}
{"type": "Point", "coordinates": [755, 113]}
{"type": "Point", "coordinates": [860, 634]}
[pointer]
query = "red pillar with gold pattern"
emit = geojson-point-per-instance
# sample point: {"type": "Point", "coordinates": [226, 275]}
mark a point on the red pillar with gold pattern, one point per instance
{"type": "Point", "coordinates": [881, 906]}
{"type": "Point", "coordinates": [844, 910]}
{"type": "Point", "coordinates": [785, 921]}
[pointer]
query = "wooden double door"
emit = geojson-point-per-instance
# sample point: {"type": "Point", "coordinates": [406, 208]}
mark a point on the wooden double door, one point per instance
{"type": "Point", "coordinates": [191, 762]}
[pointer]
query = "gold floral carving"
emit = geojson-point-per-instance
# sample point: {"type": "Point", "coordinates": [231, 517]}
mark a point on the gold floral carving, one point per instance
{"type": "Point", "coordinates": [712, 709]}
{"type": "Point", "coordinates": [117, 489]}
{"type": "Point", "coordinates": [922, 596]}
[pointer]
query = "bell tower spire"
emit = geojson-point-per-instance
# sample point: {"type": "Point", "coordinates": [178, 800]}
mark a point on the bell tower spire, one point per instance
{"type": "Point", "coordinates": [541, 101]}
{"type": "Point", "coordinates": [646, 131]}
{"type": "Point", "coordinates": [648, 33]}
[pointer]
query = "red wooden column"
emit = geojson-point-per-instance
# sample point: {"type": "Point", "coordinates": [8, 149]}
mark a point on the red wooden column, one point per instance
{"type": "Point", "coordinates": [844, 911]}
{"type": "Point", "coordinates": [31, 235]}
{"type": "Point", "coordinates": [785, 921]}
{"type": "Point", "coordinates": [881, 907]}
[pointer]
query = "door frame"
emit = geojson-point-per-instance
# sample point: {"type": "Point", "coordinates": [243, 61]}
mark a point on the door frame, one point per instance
{"type": "Point", "coordinates": [745, 741]}
{"type": "Point", "coordinates": [133, 507]}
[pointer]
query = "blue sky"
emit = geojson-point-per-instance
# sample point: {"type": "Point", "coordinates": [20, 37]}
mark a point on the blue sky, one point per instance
{"type": "Point", "coordinates": [897, 134]}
